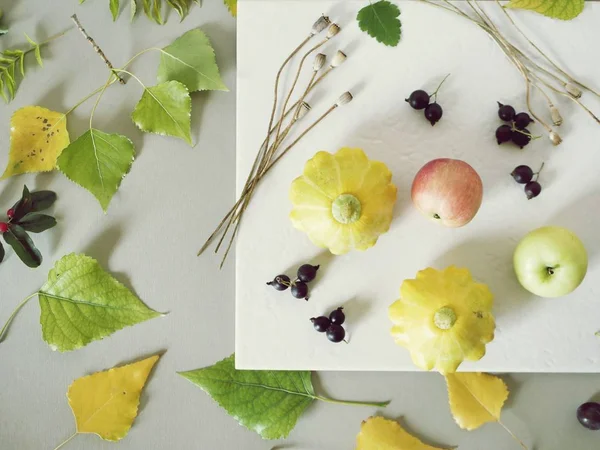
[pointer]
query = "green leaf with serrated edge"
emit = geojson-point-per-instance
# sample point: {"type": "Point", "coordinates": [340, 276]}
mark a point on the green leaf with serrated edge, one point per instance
{"type": "Point", "coordinates": [557, 9]}
{"type": "Point", "coordinates": [380, 20]}
{"type": "Point", "coordinates": [181, 6]}
{"type": "Point", "coordinates": [190, 59]}
{"type": "Point", "coordinates": [36, 223]}
{"type": "Point", "coordinates": [81, 303]}
{"type": "Point", "coordinates": [23, 246]}
{"type": "Point", "coordinates": [97, 161]}
{"type": "Point", "coordinates": [267, 402]}
{"type": "Point", "coordinates": [165, 109]}
{"type": "Point", "coordinates": [114, 6]}
{"type": "Point", "coordinates": [231, 6]}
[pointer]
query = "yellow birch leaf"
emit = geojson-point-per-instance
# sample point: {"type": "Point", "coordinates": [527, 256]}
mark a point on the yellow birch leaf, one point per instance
{"type": "Point", "coordinates": [37, 137]}
{"type": "Point", "coordinates": [377, 433]}
{"type": "Point", "coordinates": [475, 398]}
{"type": "Point", "coordinates": [106, 403]}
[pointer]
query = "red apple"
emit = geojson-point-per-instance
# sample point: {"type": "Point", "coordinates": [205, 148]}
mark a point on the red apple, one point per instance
{"type": "Point", "coordinates": [448, 191]}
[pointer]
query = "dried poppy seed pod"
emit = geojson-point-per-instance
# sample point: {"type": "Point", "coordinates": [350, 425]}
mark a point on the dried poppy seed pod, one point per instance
{"type": "Point", "coordinates": [304, 109]}
{"type": "Point", "coordinates": [338, 59]}
{"type": "Point", "coordinates": [321, 23]}
{"type": "Point", "coordinates": [319, 62]}
{"type": "Point", "coordinates": [345, 98]}
{"type": "Point", "coordinates": [556, 117]}
{"type": "Point", "coordinates": [573, 90]}
{"type": "Point", "coordinates": [555, 138]}
{"type": "Point", "coordinates": [333, 30]}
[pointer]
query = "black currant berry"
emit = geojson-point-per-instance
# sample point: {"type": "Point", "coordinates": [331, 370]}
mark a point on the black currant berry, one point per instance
{"type": "Point", "coordinates": [433, 113]}
{"type": "Point", "coordinates": [336, 333]}
{"type": "Point", "coordinates": [307, 273]}
{"type": "Point", "coordinates": [338, 317]}
{"type": "Point", "coordinates": [506, 112]}
{"type": "Point", "coordinates": [522, 174]}
{"type": "Point", "coordinates": [521, 137]}
{"type": "Point", "coordinates": [532, 189]}
{"type": "Point", "coordinates": [281, 282]}
{"type": "Point", "coordinates": [418, 99]}
{"type": "Point", "coordinates": [321, 323]}
{"type": "Point", "coordinates": [300, 290]}
{"type": "Point", "coordinates": [503, 134]}
{"type": "Point", "coordinates": [522, 120]}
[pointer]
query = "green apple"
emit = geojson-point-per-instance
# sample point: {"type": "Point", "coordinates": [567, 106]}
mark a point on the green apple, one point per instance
{"type": "Point", "coordinates": [550, 262]}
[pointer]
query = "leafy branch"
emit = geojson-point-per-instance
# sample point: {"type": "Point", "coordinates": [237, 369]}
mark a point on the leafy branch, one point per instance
{"type": "Point", "coordinates": [12, 63]}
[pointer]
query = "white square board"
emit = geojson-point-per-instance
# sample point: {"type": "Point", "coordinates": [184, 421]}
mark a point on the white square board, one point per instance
{"type": "Point", "coordinates": [533, 334]}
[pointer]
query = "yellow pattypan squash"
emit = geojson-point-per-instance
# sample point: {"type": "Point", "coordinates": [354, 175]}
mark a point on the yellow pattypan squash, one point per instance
{"type": "Point", "coordinates": [443, 317]}
{"type": "Point", "coordinates": [343, 201]}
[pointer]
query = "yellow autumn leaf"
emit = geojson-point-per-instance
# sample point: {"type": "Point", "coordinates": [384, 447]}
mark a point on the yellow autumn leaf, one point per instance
{"type": "Point", "coordinates": [37, 138]}
{"type": "Point", "coordinates": [106, 403]}
{"type": "Point", "coordinates": [475, 398]}
{"type": "Point", "coordinates": [377, 433]}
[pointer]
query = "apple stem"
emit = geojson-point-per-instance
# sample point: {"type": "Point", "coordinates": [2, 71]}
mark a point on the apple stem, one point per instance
{"type": "Point", "coordinates": [550, 270]}
{"type": "Point", "coordinates": [436, 216]}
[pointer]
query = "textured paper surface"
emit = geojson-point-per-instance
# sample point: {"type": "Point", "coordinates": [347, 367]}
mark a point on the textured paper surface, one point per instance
{"type": "Point", "coordinates": [533, 334]}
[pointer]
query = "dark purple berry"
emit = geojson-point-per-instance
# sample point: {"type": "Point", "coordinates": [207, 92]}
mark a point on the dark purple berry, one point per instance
{"type": "Point", "coordinates": [281, 282]}
{"type": "Point", "coordinates": [336, 333]}
{"type": "Point", "coordinates": [532, 189]}
{"type": "Point", "coordinates": [307, 273]}
{"type": "Point", "coordinates": [433, 113]}
{"type": "Point", "coordinates": [588, 415]}
{"type": "Point", "coordinates": [338, 317]}
{"type": "Point", "coordinates": [521, 137]}
{"type": "Point", "coordinates": [300, 290]}
{"type": "Point", "coordinates": [522, 120]}
{"type": "Point", "coordinates": [503, 134]}
{"type": "Point", "coordinates": [506, 112]}
{"type": "Point", "coordinates": [321, 323]}
{"type": "Point", "coordinates": [522, 174]}
{"type": "Point", "coordinates": [418, 99]}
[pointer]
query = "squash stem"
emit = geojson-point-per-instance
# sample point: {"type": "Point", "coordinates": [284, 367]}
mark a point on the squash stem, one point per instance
{"type": "Point", "coordinates": [350, 402]}
{"type": "Point", "coordinates": [12, 316]}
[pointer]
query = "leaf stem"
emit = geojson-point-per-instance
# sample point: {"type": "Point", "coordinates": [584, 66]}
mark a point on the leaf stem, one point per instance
{"type": "Point", "coordinates": [52, 38]}
{"type": "Point", "coordinates": [513, 435]}
{"type": "Point", "coordinates": [12, 316]}
{"type": "Point", "coordinates": [66, 441]}
{"type": "Point", "coordinates": [351, 402]}
{"type": "Point", "coordinates": [132, 75]}
{"type": "Point", "coordinates": [108, 83]}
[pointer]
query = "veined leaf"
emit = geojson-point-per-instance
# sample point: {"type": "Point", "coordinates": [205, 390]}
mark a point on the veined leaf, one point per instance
{"type": "Point", "coordinates": [23, 246]}
{"type": "Point", "coordinates": [37, 138]}
{"type": "Point", "coordinates": [231, 6]}
{"type": "Point", "coordinates": [190, 59]}
{"type": "Point", "coordinates": [380, 20]}
{"type": "Point", "coordinates": [377, 433]}
{"type": "Point", "coordinates": [133, 8]}
{"type": "Point", "coordinates": [265, 401]}
{"type": "Point", "coordinates": [81, 303]}
{"type": "Point", "coordinates": [114, 6]}
{"type": "Point", "coordinates": [98, 161]}
{"type": "Point", "coordinates": [475, 398]}
{"type": "Point", "coordinates": [557, 9]}
{"type": "Point", "coordinates": [181, 6]}
{"type": "Point", "coordinates": [165, 109]}
{"type": "Point", "coordinates": [10, 59]}
{"type": "Point", "coordinates": [106, 403]}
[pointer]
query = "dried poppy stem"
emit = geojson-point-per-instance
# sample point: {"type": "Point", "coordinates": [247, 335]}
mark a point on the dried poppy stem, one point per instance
{"type": "Point", "coordinates": [97, 49]}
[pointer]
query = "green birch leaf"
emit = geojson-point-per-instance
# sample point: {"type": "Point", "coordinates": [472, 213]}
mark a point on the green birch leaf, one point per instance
{"type": "Point", "coordinates": [165, 109]}
{"type": "Point", "coordinates": [231, 6]}
{"type": "Point", "coordinates": [380, 20]}
{"type": "Point", "coordinates": [267, 402]}
{"type": "Point", "coordinates": [557, 9]}
{"type": "Point", "coordinates": [23, 246]}
{"type": "Point", "coordinates": [81, 303]}
{"type": "Point", "coordinates": [36, 223]}
{"type": "Point", "coordinates": [97, 161]}
{"type": "Point", "coordinates": [190, 59]}
{"type": "Point", "coordinates": [114, 6]}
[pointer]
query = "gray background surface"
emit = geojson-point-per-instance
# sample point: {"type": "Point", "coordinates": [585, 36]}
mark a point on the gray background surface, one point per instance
{"type": "Point", "coordinates": [169, 202]}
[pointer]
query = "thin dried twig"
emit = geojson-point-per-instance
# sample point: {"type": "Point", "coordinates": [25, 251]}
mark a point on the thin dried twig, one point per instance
{"type": "Point", "coordinates": [97, 49]}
